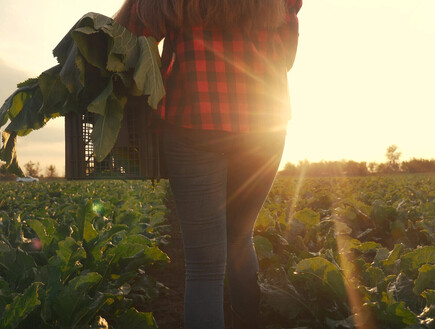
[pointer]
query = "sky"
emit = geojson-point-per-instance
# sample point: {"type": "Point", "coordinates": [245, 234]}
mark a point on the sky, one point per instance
{"type": "Point", "coordinates": [363, 79]}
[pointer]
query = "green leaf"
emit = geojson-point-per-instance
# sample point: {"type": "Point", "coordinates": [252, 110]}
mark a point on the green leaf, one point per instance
{"type": "Point", "coordinates": [381, 255]}
{"type": "Point", "coordinates": [381, 213]}
{"type": "Point", "coordinates": [373, 276]}
{"type": "Point", "coordinates": [28, 117]}
{"type": "Point", "coordinates": [263, 247]}
{"type": "Point", "coordinates": [393, 255]}
{"type": "Point", "coordinates": [123, 53]}
{"type": "Point", "coordinates": [367, 247]}
{"type": "Point", "coordinates": [19, 268]}
{"type": "Point", "coordinates": [98, 105]}
{"type": "Point", "coordinates": [286, 302]}
{"type": "Point", "coordinates": [107, 127]}
{"type": "Point", "coordinates": [72, 74]}
{"type": "Point", "coordinates": [308, 217]}
{"type": "Point", "coordinates": [30, 83]}
{"type": "Point", "coordinates": [85, 215]}
{"type": "Point", "coordinates": [102, 242]}
{"type": "Point", "coordinates": [92, 44]}
{"type": "Point", "coordinates": [414, 259]}
{"type": "Point", "coordinates": [401, 288]}
{"type": "Point", "coordinates": [63, 49]}
{"type": "Point", "coordinates": [425, 279]}
{"type": "Point", "coordinates": [45, 229]}
{"type": "Point", "coordinates": [341, 228]}
{"type": "Point", "coordinates": [95, 20]}
{"type": "Point", "coordinates": [132, 319]}
{"type": "Point", "coordinates": [153, 255]}
{"type": "Point", "coordinates": [125, 249]}
{"type": "Point", "coordinates": [104, 43]}
{"type": "Point", "coordinates": [401, 313]}
{"type": "Point", "coordinates": [327, 272]}
{"type": "Point", "coordinates": [54, 93]}
{"type": "Point", "coordinates": [8, 153]}
{"type": "Point", "coordinates": [22, 305]}
{"type": "Point", "coordinates": [16, 101]}
{"type": "Point", "coordinates": [73, 302]}
{"type": "Point", "coordinates": [147, 74]}
{"type": "Point", "coordinates": [51, 276]}
{"type": "Point", "coordinates": [429, 311]}
{"type": "Point", "coordinates": [69, 253]}
{"type": "Point", "coordinates": [133, 251]}
{"type": "Point", "coordinates": [279, 294]}
{"type": "Point", "coordinates": [396, 314]}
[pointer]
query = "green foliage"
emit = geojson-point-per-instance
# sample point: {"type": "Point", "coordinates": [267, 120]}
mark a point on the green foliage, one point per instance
{"type": "Point", "coordinates": [146, 75]}
{"type": "Point", "coordinates": [75, 254]}
{"type": "Point", "coordinates": [323, 270]}
{"type": "Point", "coordinates": [350, 253]}
{"type": "Point", "coordinates": [21, 306]}
{"type": "Point", "coordinates": [101, 64]}
{"type": "Point", "coordinates": [8, 153]}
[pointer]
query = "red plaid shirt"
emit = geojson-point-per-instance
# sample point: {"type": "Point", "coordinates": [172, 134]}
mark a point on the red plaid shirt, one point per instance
{"type": "Point", "coordinates": [233, 81]}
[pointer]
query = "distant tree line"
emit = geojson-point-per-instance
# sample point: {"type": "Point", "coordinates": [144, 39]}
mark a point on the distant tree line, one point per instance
{"type": "Point", "coordinates": [33, 169]}
{"type": "Point", "coordinates": [323, 168]}
{"type": "Point", "coordinates": [353, 168]}
{"type": "Point", "coordinates": [30, 169]}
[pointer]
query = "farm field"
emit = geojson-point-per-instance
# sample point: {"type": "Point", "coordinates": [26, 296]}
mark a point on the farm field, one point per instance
{"type": "Point", "coordinates": [334, 253]}
{"type": "Point", "coordinates": [346, 252]}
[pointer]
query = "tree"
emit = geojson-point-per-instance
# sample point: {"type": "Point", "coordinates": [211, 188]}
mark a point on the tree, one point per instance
{"type": "Point", "coordinates": [353, 168]}
{"type": "Point", "coordinates": [51, 171]}
{"type": "Point", "coordinates": [393, 156]}
{"type": "Point", "coordinates": [32, 169]}
{"type": "Point", "coordinates": [372, 167]}
{"type": "Point", "coordinates": [418, 166]}
{"type": "Point", "coordinates": [290, 169]}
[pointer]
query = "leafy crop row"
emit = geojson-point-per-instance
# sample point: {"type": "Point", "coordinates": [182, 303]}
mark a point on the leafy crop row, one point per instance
{"type": "Point", "coordinates": [75, 255]}
{"type": "Point", "coordinates": [349, 253]}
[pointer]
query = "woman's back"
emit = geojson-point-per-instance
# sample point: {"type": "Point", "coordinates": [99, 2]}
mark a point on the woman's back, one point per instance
{"type": "Point", "coordinates": [225, 77]}
{"type": "Point", "coordinates": [225, 80]}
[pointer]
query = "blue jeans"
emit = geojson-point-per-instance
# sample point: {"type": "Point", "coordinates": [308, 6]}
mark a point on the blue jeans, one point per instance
{"type": "Point", "coordinates": [220, 181]}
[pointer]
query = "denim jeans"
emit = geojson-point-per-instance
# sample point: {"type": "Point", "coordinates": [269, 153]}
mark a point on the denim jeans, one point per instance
{"type": "Point", "coordinates": [220, 181]}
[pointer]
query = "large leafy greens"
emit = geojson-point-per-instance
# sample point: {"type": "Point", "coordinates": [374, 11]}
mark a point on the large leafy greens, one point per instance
{"type": "Point", "coordinates": [101, 64]}
{"type": "Point", "coordinates": [77, 254]}
{"type": "Point", "coordinates": [350, 253]}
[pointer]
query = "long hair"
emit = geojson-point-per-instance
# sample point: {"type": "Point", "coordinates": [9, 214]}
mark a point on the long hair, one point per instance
{"type": "Point", "coordinates": [156, 15]}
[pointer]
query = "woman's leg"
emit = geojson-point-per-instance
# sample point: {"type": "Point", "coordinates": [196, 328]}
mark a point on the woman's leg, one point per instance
{"type": "Point", "coordinates": [252, 167]}
{"type": "Point", "coordinates": [198, 180]}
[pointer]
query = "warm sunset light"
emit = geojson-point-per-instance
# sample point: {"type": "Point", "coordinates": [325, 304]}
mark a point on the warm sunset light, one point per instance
{"type": "Point", "coordinates": [110, 217]}
{"type": "Point", "coordinates": [363, 78]}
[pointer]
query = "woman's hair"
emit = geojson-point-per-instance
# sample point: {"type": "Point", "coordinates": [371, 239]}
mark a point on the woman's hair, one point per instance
{"type": "Point", "coordinates": [227, 14]}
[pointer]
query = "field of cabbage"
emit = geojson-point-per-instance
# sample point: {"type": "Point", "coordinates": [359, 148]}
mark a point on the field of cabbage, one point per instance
{"type": "Point", "coordinates": [349, 253]}
{"type": "Point", "coordinates": [334, 253]}
{"type": "Point", "coordinates": [75, 255]}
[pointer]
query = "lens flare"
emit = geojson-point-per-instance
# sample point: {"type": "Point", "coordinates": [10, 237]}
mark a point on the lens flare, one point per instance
{"type": "Point", "coordinates": [362, 316]}
{"type": "Point", "coordinates": [98, 208]}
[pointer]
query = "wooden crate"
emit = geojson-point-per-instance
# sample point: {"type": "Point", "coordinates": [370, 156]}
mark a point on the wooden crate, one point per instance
{"type": "Point", "coordinates": [137, 153]}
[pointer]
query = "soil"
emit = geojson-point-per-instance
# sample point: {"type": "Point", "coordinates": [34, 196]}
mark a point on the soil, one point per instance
{"type": "Point", "coordinates": [167, 308]}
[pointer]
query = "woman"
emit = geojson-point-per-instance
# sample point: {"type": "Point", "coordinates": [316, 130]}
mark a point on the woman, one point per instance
{"type": "Point", "coordinates": [224, 66]}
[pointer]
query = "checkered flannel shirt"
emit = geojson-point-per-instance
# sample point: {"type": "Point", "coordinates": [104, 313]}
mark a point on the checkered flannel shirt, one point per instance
{"type": "Point", "coordinates": [228, 80]}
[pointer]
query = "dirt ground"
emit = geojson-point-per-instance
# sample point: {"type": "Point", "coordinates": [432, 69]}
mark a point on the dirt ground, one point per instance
{"type": "Point", "coordinates": [168, 307]}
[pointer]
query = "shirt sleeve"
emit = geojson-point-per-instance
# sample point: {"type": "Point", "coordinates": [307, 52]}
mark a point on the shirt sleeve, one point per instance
{"type": "Point", "coordinates": [289, 31]}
